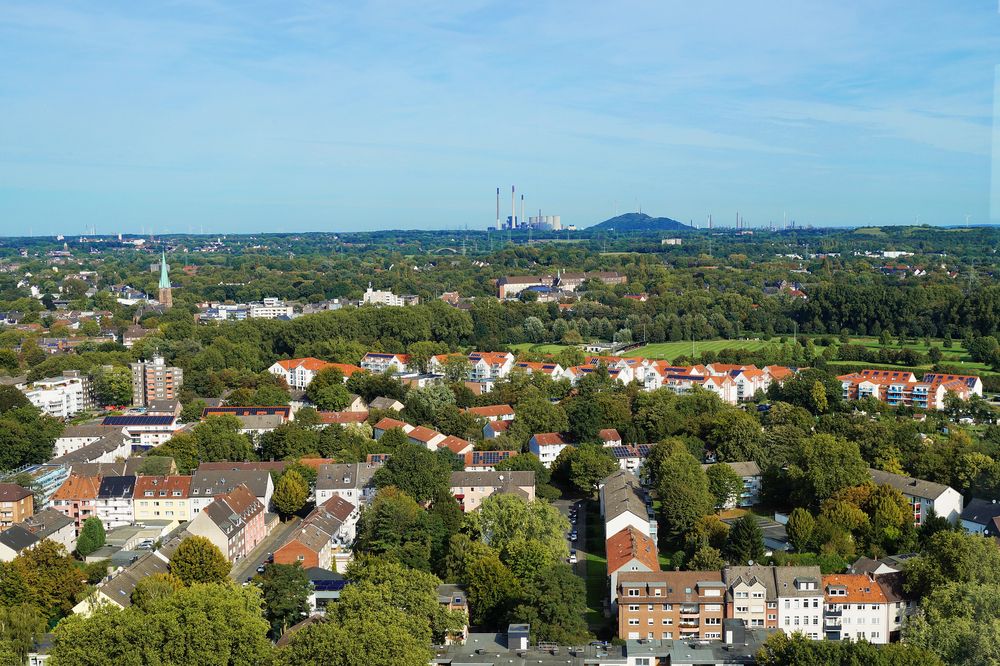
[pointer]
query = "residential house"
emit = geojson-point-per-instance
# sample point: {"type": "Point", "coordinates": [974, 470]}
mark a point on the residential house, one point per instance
{"type": "Point", "coordinates": [471, 488]}
{"type": "Point", "coordinates": [751, 595]}
{"type": "Point", "coordinates": [352, 482]}
{"type": "Point", "coordinates": [671, 605]}
{"type": "Point", "coordinates": [298, 373]}
{"type": "Point", "coordinates": [456, 445]}
{"type": "Point", "coordinates": [609, 437]}
{"type": "Point", "coordinates": [425, 437]}
{"type": "Point", "coordinates": [624, 504]}
{"type": "Point", "coordinates": [547, 446]}
{"type": "Point", "coordinates": [143, 429]}
{"type": "Point", "coordinates": [344, 418]}
{"type": "Point", "coordinates": [324, 537]}
{"type": "Point", "coordinates": [155, 379]}
{"type": "Point", "coordinates": [485, 461]}
{"type": "Point", "coordinates": [901, 387]}
{"type": "Point", "coordinates": [749, 472]}
{"type": "Point", "coordinates": [75, 437]}
{"type": "Point", "coordinates": [800, 600]}
{"type": "Point", "coordinates": [923, 495]}
{"type": "Point", "coordinates": [117, 591]}
{"type": "Point", "coordinates": [631, 458]}
{"type": "Point", "coordinates": [234, 522]}
{"type": "Point", "coordinates": [382, 363]}
{"type": "Point", "coordinates": [16, 504]}
{"type": "Point", "coordinates": [856, 608]}
{"type": "Point", "coordinates": [14, 541]}
{"type": "Point", "coordinates": [494, 429]}
{"type": "Point", "coordinates": [162, 498]}
{"type": "Point", "coordinates": [52, 525]}
{"type": "Point", "coordinates": [77, 498]}
{"type": "Point", "coordinates": [982, 517]}
{"type": "Point", "coordinates": [113, 445]}
{"type": "Point", "coordinates": [385, 424]}
{"type": "Point", "coordinates": [385, 404]}
{"type": "Point", "coordinates": [208, 483]}
{"type": "Point", "coordinates": [114, 501]}
{"type": "Point", "coordinates": [63, 396]}
{"type": "Point", "coordinates": [493, 412]}
{"type": "Point", "coordinates": [629, 550]}
{"type": "Point", "coordinates": [282, 411]}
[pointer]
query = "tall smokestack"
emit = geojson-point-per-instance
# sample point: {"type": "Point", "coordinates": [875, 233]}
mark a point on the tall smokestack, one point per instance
{"type": "Point", "coordinates": [498, 209]}
{"type": "Point", "coordinates": [522, 210]}
{"type": "Point", "coordinates": [513, 210]}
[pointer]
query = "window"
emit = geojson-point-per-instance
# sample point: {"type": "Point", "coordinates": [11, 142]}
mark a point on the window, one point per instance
{"type": "Point", "coordinates": [667, 635]}
{"type": "Point", "coordinates": [649, 621]}
{"type": "Point", "coordinates": [656, 592]}
{"type": "Point", "coordinates": [633, 622]}
{"type": "Point", "coordinates": [633, 607]}
{"type": "Point", "coordinates": [742, 609]}
{"type": "Point", "coordinates": [713, 620]}
{"type": "Point", "coordinates": [649, 607]}
{"type": "Point", "coordinates": [758, 595]}
{"type": "Point", "coordinates": [667, 621]}
{"type": "Point", "coordinates": [633, 592]}
{"type": "Point", "coordinates": [642, 661]}
{"type": "Point", "coordinates": [741, 595]}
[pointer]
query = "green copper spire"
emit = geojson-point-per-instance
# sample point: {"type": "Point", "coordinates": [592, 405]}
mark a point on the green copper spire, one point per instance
{"type": "Point", "coordinates": [164, 278]}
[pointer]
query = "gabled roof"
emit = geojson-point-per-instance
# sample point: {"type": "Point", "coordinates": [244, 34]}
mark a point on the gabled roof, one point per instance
{"type": "Point", "coordinates": [78, 488]}
{"type": "Point", "coordinates": [163, 486]}
{"type": "Point", "coordinates": [343, 418]}
{"type": "Point", "coordinates": [17, 538]}
{"type": "Point", "coordinates": [11, 492]}
{"type": "Point", "coordinates": [491, 479]}
{"type": "Point", "coordinates": [491, 410]}
{"type": "Point", "coordinates": [629, 544]}
{"type": "Point", "coordinates": [384, 403]}
{"type": "Point", "coordinates": [116, 487]}
{"type": "Point", "coordinates": [751, 575]}
{"type": "Point", "coordinates": [909, 485]}
{"type": "Point", "coordinates": [212, 483]}
{"type": "Point", "coordinates": [860, 589]}
{"type": "Point", "coordinates": [981, 511]}
{"type": "Point", "coordinates": [609, 435]}
{"type": "Point", "coordinates": [623, 494]}
{"type": "Point", "coordinates": [307, 363]}
{"type": "Point", "coordinates": [345, 476]}
{"type": "Point", "coordinates": [549, 439]}
{"type": "Point", "coordinates": [422, 434]}
{"type": "Point", "coordinates": [46, 522]}
{"type": "Point", "coordinates": [388, 424]}
{"type": "Point", "coordinates": [456, 445]}
{"type": "Point", "coordinates": [487, 458]}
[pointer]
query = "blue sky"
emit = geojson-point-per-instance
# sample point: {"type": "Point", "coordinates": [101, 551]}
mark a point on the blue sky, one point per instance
{"type": "Point", "coordinates": [262, 116]}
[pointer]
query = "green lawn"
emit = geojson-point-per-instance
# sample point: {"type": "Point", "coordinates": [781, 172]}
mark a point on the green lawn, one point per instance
{"type": "Point", "coordinates": [596, 569]}
{"type": "Point", "coordinates": [671, 350]}
{"type": "Point", "coordinates": [539, 348]}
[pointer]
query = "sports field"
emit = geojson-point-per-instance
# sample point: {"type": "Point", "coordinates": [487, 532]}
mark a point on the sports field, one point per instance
{"type": "Point", "coordinates": [671, 350]}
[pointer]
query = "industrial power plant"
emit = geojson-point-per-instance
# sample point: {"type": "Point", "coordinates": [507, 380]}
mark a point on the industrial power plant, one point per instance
{"type": "Point", "coordinates": [514, 221]}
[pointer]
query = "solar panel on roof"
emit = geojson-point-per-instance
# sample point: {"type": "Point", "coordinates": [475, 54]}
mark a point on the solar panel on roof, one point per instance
{"type": "Point", "coordinates": [137, 420]}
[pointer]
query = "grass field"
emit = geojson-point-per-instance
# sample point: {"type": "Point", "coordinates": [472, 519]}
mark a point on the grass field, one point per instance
{"type": "Point", "coordinates": [538, 348]}
{"type": "Point", "coordinates": [597, 569]}
{"type": "Point", "coordinates": [670, 350]}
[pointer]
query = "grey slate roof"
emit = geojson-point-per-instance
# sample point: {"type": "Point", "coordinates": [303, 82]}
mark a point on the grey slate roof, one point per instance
{"type": "Point", "coordinates": [17, 538]}
{"type": "Point", "coordinates": [211, 483]}
{"type": "Point", "coordinates": [733, 575]}
{"type": "Point", "coordinates": [909, 485]}
{"type": "Point", "coordinates": [113, 439]}
{"type": "Point", "coordinates": [981, 511]}
{"type": "Point", "coordinates": [491, 479]}
{"type": "Point", "coordinates": [345, 476]}
{"type": "Point", "coordinates": [785, 577]}
{"type": "Point", "coordinates": [120, 588]}
{"type": "Point", "coordinates": [623, 494]}
{"type": "Point", "coordinates": [748, 468]}
{"type": "Point", "coordinates": [47, 522]}
{"type": "Point", "coordinates": [116, 487]}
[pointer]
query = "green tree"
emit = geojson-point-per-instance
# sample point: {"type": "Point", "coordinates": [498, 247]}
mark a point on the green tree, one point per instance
{"type": "Point", "coordinates": [198, 560]}
{"type": "Point", "coordinates": [588, 466]}
{"type": "Point", "coordinates": [492, 590]}
{"type": "Point", "coordinates": [746, 541]}
{"type": "Point", "coordinates": [414, 470]}
{"type": "Point", "coordinates": [706, 558]}
{"type": "Point", "coordinates": [823, 464]}
{"type": "Point", "coordinates": [152, 589]}
{"type": "Point", "coordinates": [781, 649]}
{"type": "Point", "coordinates": [725, 484]}
{"type": "Point", "coordinates": [953, 557]}
{"type": "Point", "coordinates": [801, 526]}
{"type": "Point", "coordinates": [91, 536]}
{"type": "Point", "coordinates": [192, 410]}
{"type": "Point", "coordinates": [290, 493]}
{"type": "Point", "coordinates": [958, 623]}
{"type": "Point", "coordinates": [554, 603]}
{"type": "Point", "coordinates": [817, 395]}
{"type": "Point", "coordinates": [683, 491]}
{"type": "Point", "coordinates": [113, 386]}
{"type": "Point", "coordinates": [735, 436]}
{"type": "Point", "coordinates": [51, 580]}
{"type": "Point", "coordinates": [21, 627]}
{"type": "Point", "coordinates": [504, 519]}
{"type": "Point", "coordinates": [395, 526]}
{"type": "Point", "coordinates": [285, 589]}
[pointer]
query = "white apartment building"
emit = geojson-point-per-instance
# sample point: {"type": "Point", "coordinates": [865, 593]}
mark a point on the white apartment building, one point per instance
{"type": "Point", "coordinates": [61, 397]}
{"type": "Point", "coordinates": [923, 496]}
{"type": "Point", "coordinates": [381, 363]}
{"type": "Point", "coordinates": [800, 600]}
{"type": "Point", "coordinates": [855, 608]}
{"type": "Point", "coordinates": [271, 308]}
{"type": "Point", "coordinates": [377, 297]}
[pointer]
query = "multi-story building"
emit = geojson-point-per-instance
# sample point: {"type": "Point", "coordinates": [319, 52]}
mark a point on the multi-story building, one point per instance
{"type": "Point", "coordinates": [749, 472]}
{"type": "Point", "coordinates": [381, 363]}
{"type": "Point", "coordinates": [547, 446]}
{"type": "Point", "coordinates": [77, 498]}
{"type": "Point", "coordinates": [352, 482]}
{"type": "Point", "coordinates": [923, 495]}
{"type": "Point", "coordinates": [162, 498]}
{"type": "Point", "coordinates": [52, 525]}
{"type": "Point", "coordinates": [152, 380]}
{"type": "Point", "coordinates": [856, 608]}
{"type": "Point", "coordinates": [471, 488]}
{"type": "Point", "coordinates": [208, 483]}
{"type": "Point", "coordinates": [624, 504]}
{"type": "Point", "coordinates": [16, 504]}
{"type": "Point", "coordinates": [114, 501]}
{"type": "Point", "coordinates": [493, 412]}
{"type": "Point", "coordinates": [482, 366]}
{"type": "Point", "coordinates": [144, 430]}
{"type": "Point", "coordinates": [47, 478]}
{"type": "Point", "coordinates": [271, 308]}
{"type": "Point", "coordinates": [323, 539]}
{"type": "Point", "coordinates": [484, 461]}
{"type": "Point", "coordinates": [234, 522]}
{"type": "Point", "coordinates": [901, 387]}
{"type": "Point", "coordinates": [298, 373]}
{"type": "Point", "coordinates": [751, 595]}
{"type": "Point", "coordinates": [800, 600]}
{"type": "Point", "coordinates": [629, 550]}
{"type": "Point", "coordinates": [377, 297]}
{"type": "Point", "coordinates": [64, 396]}
{"type": "Point", "coordinates": [671, 605]}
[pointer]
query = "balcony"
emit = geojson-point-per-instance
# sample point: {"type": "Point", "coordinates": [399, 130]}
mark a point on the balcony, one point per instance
{"type": "Point", "coordinates": [689, 610]}
{"type": "Point", "coordinates": [833, 623]}
{"type": "Point", "coordinates": [689, 623]}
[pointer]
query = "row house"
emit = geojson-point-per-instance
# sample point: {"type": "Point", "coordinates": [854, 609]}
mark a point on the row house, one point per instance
{"type": "Point", "coordinates": [162, 498]}
{"type": "Point", "coordinates": [471, 488]}
{"type": "Point", "coordinates": [749, 472]}
{"type": "Point", "coordinates": [482, 366]}
{"type": "Point", "coordinates": [789, 598]}
{"type": "Point", "coordinates": [423, 436]}
{"type": "Point", "coordinates": [485, 461]}
{"type": "Point", "coordinates": [77, 498]}
{"type": "Point", "coordinates": [209, 482]}
{"type": "Point", "coordinates": [923, 496]}
{"type": "Point", "coordinates": [324, 537]}
{"type": "Point", "coordinates": [298, 373]}
{"type": "Point", "coordinates": [234, 522]}
{"type": "Point", "coordinates": [352, 482]}
{"type": "Point", "coordinates": [381, 363]}
{"type": "Point", "coordinates": [493, 412]}
{"type": "Point", "coordinates": [75, 437]}
{"type": "Point", "coordinates": [113, 445]}
{"type": "Point", "coordinates": [114, 501]}
{"type": "Point", "coordinates": [624, 503]}
{"type": "Point", "coordinates": [52, 525]}
{"type": "Point", "coordinates": [609, 437]}
{"type": "Point", "coordinates": [283, 412]}
{"type": "Point", "coordinates": [552, 369]}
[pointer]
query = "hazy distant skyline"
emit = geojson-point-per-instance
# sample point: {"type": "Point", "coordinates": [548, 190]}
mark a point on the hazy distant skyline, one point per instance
{"type": "Point", "coordinates": [315, 116]}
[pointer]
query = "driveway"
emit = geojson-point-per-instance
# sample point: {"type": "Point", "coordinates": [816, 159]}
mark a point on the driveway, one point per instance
{"type": "Point", "coordinates": [247, 567]}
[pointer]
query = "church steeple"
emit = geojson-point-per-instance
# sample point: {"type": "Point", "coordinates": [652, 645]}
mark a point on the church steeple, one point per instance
{"type": "Point", "coordinates": [166, 296]}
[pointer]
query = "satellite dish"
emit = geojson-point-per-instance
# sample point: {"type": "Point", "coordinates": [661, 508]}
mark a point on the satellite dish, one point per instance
{"type": "Point", "coordinates": [750, 563]}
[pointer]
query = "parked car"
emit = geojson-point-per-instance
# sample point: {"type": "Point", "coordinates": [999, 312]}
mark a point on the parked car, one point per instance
{"type": "Point", "coordinates": [572, 557]}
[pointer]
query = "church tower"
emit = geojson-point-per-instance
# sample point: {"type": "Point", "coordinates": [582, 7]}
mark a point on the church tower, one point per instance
{"type": "Point", "coordinates": [166, 297]}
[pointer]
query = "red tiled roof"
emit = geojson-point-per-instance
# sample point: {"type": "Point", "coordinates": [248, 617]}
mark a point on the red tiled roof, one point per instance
{"type": "Point", "coordinates": [491, 410]}
{"type": "Point", "coordinates": [609, 435]}
{"type": "Point", "coordinates": [78, 487]}
{"type": "Point", "coordinates": [860, 589]}
{"type": "Point", "coordinates": [456, 445]}
{"type": "Point", "coordinates": [628, 544]}
{"type": "Point", "coordinates": [422, 434]}
{"type": "Point", "coordinates": [548, 438]}
{"type": "Point", "coordinates": [165, 484]}
{"type": "Point", "coordinates": [388, 424]}
{"type": "Point", "coordinates": [343, 417]}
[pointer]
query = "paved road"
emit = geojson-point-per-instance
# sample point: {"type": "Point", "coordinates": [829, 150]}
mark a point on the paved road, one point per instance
{"type": "Point", "coordinates": [581, 528]}
{"type": "Point", "coordinates": [247, 567]}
